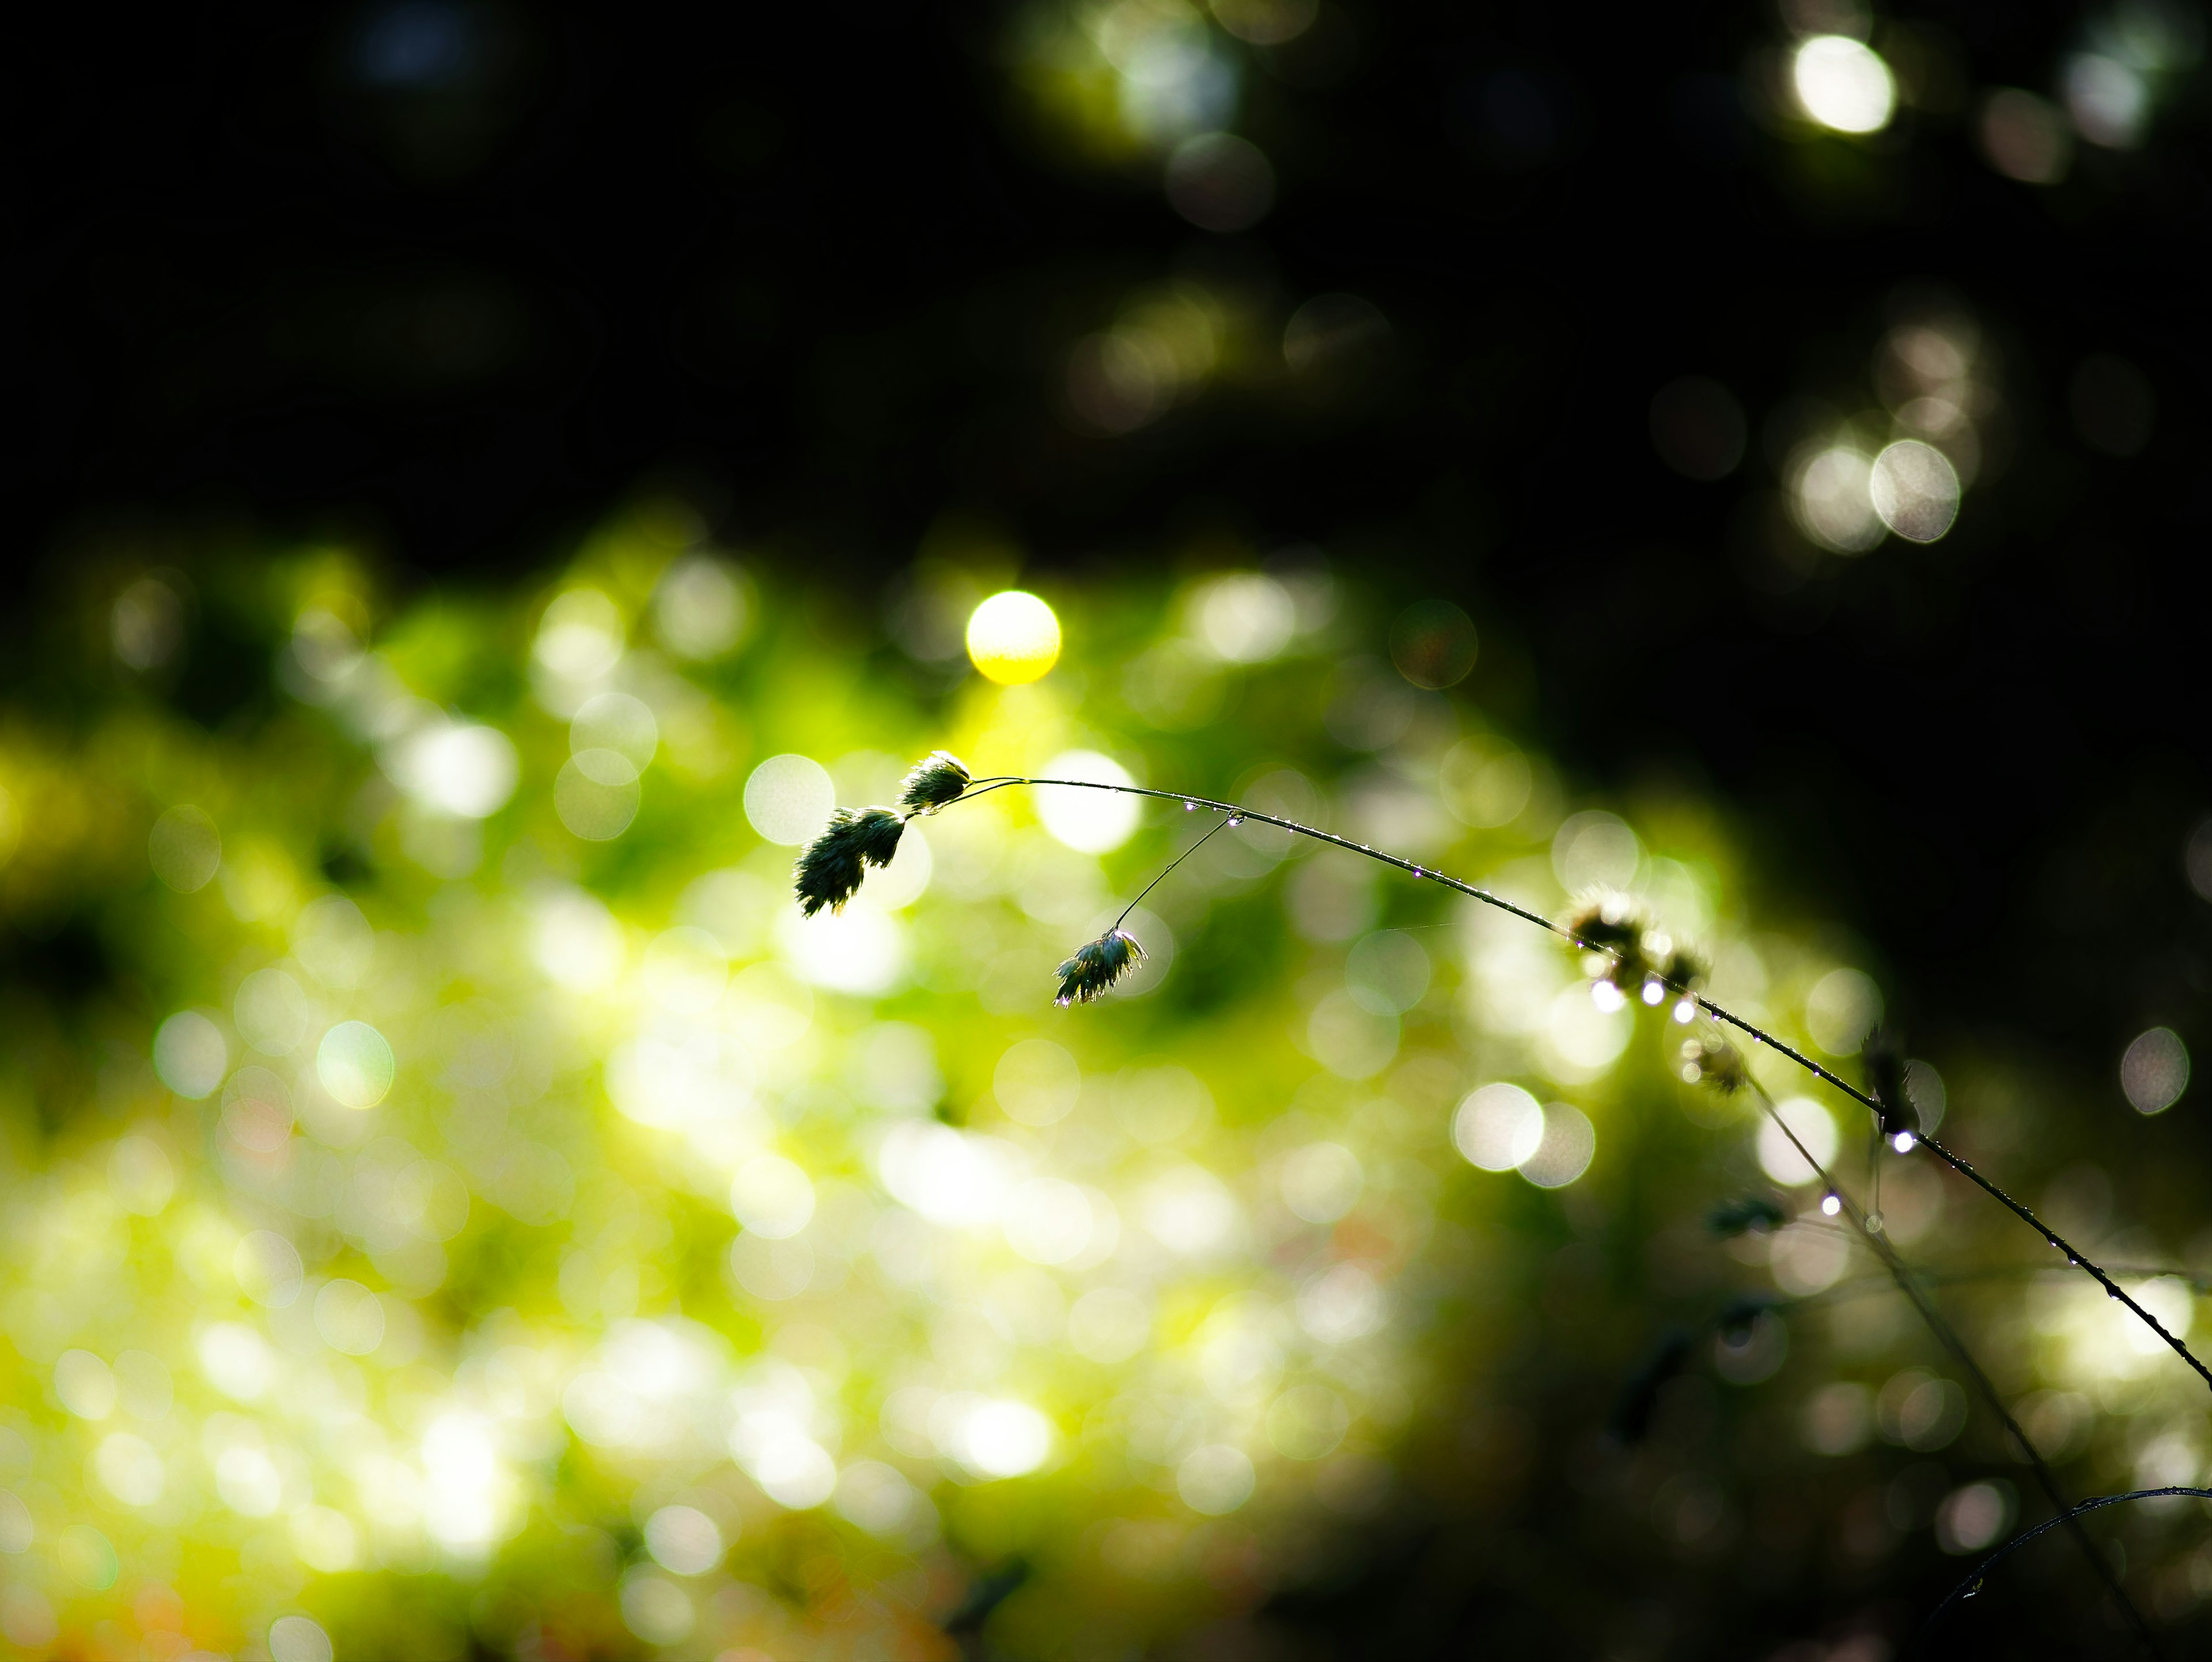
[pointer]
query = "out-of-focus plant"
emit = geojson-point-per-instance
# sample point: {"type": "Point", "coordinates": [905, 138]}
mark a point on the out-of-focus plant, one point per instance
{"type": "Point", "coordinates": [454, 1199]}
{"type": "Point", "coordinates": [1628, 959]}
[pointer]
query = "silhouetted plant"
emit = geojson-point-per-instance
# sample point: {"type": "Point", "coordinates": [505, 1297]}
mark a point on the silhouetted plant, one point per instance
{"type": "Point", "coordinates": [1628, 957]}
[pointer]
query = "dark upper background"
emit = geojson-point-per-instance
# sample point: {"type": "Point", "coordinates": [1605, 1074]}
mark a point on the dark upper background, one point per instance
{"type": "Point", "coordinates": [452, 276]}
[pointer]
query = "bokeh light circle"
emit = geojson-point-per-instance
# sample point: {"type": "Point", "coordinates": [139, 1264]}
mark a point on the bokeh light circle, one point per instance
{"type": "Point", "coordinates": [1915, 490]}
{"type": "Point", "coordinates": [1843, 84]}
{"type": "Point", "coordinates": [1088, 821]}
{"type": "Point", "coordinates": [788, 799]}
{"type": "Point", "coordinates": [2155, 1070]}
{"type": "Point", "coordinates": [1014, 638]}
{"type": "Point", "coordinates": [1433, 644]}
{"type": "Point", "coordinates": [355, 1064]}
{"type": "Point", "coordinates": [1814, 1128]}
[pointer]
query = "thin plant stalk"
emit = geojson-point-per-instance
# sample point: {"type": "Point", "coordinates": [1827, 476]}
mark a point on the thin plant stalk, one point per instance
{"type": "Point", "coordinates": [1972, 1584]}
{"type": "Point", "coordinates": [1715, 1011]}
{"type": "Point", "coordinates": [1984, 1387]}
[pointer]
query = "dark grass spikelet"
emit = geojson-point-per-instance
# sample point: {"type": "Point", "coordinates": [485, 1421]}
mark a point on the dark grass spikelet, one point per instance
{"type": "Point", "coordinates": [939, 777]}
{"type": "Point", "coordinates": [1630, 1422]}
{"type": "Point", "coordinates": [828, 872]}
{"type": "Point", "coordinates": [1737, 1321]}
{"type": "Point", "coordinates": [1607, 921]}
{"type": "Point", "coordinates": [1096, 965]}
{"type": "Point", "coordinates": [876, 830]}
{"type": "Point", "coordinates": [1885, 1077]}
{"type": "Point", "coordinates": [1738, 1217]}
{"type": "Point", "coordinates": [1642, 962]}
{"type": "Point", "coordinates": [1682, 969]}
{"type": "Point", "coordinates": [1714, 1061]}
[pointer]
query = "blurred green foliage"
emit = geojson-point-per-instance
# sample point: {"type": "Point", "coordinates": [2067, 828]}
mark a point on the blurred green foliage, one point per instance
{"type": "Point", "coordinates": [455, 1200]}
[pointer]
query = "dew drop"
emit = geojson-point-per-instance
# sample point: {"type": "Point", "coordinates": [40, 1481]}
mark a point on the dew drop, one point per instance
{"type": "Point", "coordinates": [1235, 820]}
{"type": "Point", "coordinates": [1830, 1205]}
{"type": "Point", "coordinates": [1873, 1223]}
{"type": "Point", "coordinates": [1190, 808]}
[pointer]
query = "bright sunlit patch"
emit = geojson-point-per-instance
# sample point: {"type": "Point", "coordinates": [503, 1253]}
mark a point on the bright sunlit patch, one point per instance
{"type": "Point", "coordinates": [1779, 1157]}
{"type": "Point", "coordinates": [772, 1197]}
{"type": "Point", "coordinates": [189, 1054]}
{"type": "Point", "coordinates": [1243, 616]}
{"type": "Point", "coordinates": [580, 636]}
{"type": "Point", "coordinates": [462, 1481]}
{"type": "Point", "coordinates": [1216, 1479]}
{"type": "Point", "coordinates": [858, 950]}
{"type": "Point", "coordinates": [1189, 1210]}
{"type": "Point", "coordinates": [1585, 1033]}
{"type": "Point", "coordinates": [1843, 84]}
{"type": "Point", "coordinates": [1088, 821]}
{"type": "Point", "coordinates": [789, 798]}
{"type": "Point", "coordinates": [1498, 1127]}
{"type": "Point", "coordinates": [948, 1176]}
{"type": "Point", "coordinates": [1000, 1438]}
{"type": "Point", "coordinates": [1841, 1010]}
{"type": "Point", "coordinates": [463, 770]}
{"type": "Point", "coordinates": [1321, 1182]}
{"type": "Point", "coordinates": [683, 1539]}
{"type": "Point", "coordinates": [355, 1064]}
{"type": "Point", "coordinates": [1013, 638]}
{"type": "Point", "coordinates": [575, 940]}
{"type": "Point", "coordinates": [1048, 1221]}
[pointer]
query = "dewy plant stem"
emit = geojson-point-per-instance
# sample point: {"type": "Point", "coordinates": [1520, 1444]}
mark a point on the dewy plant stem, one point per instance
{"type": "Point", "coordinates": [1720, 1013]}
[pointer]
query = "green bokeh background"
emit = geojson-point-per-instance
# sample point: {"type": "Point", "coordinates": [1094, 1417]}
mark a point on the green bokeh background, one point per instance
{"type": "Point", "coordinates": [491, 1366]}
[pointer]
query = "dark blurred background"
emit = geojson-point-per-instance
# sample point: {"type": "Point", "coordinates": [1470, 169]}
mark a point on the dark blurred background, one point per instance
{"type": "Point", "coordinates": [446, 277]}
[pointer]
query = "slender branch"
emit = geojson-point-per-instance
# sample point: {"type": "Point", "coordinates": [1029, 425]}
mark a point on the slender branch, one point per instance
{"type": "Point", "coordinates": [1218, 825]}
{"type": "Point", "coordinates": [1861, 1284]}
{"type": "Point", "coordinates": [1947, 1336]}
{"type": "Point", "coordinates": [1972, 1583]}
{"type": "Point", "coordinates": [1717, 1011]}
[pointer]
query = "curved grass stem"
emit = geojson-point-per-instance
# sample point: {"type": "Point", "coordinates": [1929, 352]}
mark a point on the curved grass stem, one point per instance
{"type": "Point", "coordinates": [1984, 1387]}
{"type": "Point", "coordinates": [1972, 1583]}
{"type": "Point", "coordinates": [1716, 1012]}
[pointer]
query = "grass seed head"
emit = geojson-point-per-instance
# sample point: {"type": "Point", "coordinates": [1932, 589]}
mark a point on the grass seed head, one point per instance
{"type": "Point", "coordinates": [828, 872]}
{"type": "Point", "coordinates": [1096, 965]}
{"type": "Point", "coordinates": [1712, 1059]}
{"type": "Point", "coordinates": [939, 777]}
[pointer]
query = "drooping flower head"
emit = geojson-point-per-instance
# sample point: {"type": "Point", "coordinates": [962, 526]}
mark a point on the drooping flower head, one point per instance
{"type": "Point", "coordinates": [1096, 965]}
{"type": "Point", "coordinates": [830, 871]}
{"type": "Point", "coordinates": [937, 779]}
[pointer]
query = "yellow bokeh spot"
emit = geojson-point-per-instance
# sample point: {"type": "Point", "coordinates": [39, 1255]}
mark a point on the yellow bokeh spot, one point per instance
{"type": "Point", "coordinates": [1013, 638]}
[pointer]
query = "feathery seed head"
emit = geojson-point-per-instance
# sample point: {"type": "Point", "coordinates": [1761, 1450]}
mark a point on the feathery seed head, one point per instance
{"type": "Point", "coordinates": [1885, 1078]}
{"type": "Point", "coordinates": [1606, 921]}
{"type": "Point", "coordinates": [876, 830]}
{"type": "Point", "coordinates": [1096, 965]}
{"type": "Point", "coordinates": [1712, 1059]}
{"type": "Point", "coordinates": [830, 871]}
{"type": "Point", "coordinates": [937, 779]}
{"type": "Point", "coordinates": [1642, 962]}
